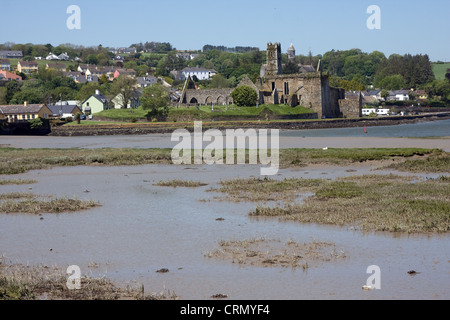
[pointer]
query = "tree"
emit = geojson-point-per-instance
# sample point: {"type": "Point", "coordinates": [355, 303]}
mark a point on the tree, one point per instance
{"type": "Point", "coordinates": [87, 90]}
{"type": "Point", "coordinates": [12, 88]}
{"type": "Point", "coordinates": [156, 99]}
{"type": "Point", "coordinates": [123, 88]}
{"type": "Point", "coordinates": [394, 82]}
{"type": "Point", "coordinates": [219, 81]}
{"type": "Point", "coordinates": [384, 94]}
{"type": "Point", "coordinates": [3, 92]}
{"type": "Point", "coordinates": [30, 95]}
{"type": "Point", "coordinates": [244, 96]}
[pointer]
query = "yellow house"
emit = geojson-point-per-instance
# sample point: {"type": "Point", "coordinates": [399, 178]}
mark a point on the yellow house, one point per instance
{"type": "Point", "coordinates": [24, 112]}
{"type": "Point", "coordinates": [57, 66]}
{"type": "Point", "coordinates": [27, 66]}
{"type": "Point", "coordinates": [421, 95]}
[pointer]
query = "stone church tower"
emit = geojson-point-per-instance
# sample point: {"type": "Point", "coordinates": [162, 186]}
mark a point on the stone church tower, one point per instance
{"type": "Point", "coordinates": [291, 53]}
{"type": "Point", "coordinates": [273, 59]}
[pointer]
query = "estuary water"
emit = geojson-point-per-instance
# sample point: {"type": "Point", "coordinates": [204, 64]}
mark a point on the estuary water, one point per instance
{"type": "Point", "coordinates": [141, 228]}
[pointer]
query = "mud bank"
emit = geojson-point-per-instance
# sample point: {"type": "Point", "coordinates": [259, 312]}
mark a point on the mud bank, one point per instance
{"type": "Point", "coordinates": [148, 128]}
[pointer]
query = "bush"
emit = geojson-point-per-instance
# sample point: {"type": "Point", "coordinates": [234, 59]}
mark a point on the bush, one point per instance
{"type": "Point", "coordinates": [244, 96]}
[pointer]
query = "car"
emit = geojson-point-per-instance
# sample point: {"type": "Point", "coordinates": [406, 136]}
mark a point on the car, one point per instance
{"type": "Point", "coordinates": [82, 117]}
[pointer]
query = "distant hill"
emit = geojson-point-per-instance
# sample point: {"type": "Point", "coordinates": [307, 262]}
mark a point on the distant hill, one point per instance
{"type": "Point", "coordinates": [440, 69]}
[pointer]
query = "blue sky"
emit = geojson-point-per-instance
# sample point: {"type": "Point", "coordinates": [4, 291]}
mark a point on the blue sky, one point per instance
{"type": "Point", "coordinates": [415, 27]}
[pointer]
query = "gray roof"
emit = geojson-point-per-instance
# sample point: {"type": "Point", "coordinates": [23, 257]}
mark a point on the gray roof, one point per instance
{"type": "Point", "coordinates": [395, 92]}
{"type": "Point", "coordinates": [103, 99]}
{"type": "Point", "coordinates": [20, 108]}
{"type": "Point", "coordinates": [67, 108]}
{"type": "Point", "coordinates": [11, 54]}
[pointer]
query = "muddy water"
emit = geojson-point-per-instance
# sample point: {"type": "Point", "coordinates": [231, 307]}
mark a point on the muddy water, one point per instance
{"type": "Point", "coordinates": [141, 228]}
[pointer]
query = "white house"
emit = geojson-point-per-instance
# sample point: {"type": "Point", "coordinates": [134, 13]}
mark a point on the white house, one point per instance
{"type": "Point", "coordinates": [63, 56]}
{"type": "Point", "coordinates": [200, 73]}
{"type": "Point", "coordinates": [52, 56]}
{"type": "Point", "coordinates": [399, 95]}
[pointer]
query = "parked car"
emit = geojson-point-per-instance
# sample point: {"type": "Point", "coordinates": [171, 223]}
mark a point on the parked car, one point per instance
{"type": "Point", "coordinates": [83, 117]}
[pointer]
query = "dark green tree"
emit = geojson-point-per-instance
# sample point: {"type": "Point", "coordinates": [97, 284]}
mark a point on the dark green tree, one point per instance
{"type": "Point", "coordinates": [156, 99]}
{"type": "Point", "coordinates": [244, 96]}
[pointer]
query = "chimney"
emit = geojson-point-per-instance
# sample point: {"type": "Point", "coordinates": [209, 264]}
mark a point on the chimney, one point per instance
{"type": "Point", "coordinates": [25, 103]}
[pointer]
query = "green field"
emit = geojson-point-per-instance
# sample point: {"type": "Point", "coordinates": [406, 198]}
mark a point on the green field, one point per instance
{"type": "Point", "coordinates": [440, 70]}
{"type": "Point", "coordinates": [206, 112]}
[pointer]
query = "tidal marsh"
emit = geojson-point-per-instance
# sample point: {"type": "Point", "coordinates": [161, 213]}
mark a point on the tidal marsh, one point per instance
{"type": "Point", "coordinates": [15, 161]}
{"type": "Point", "coordinates": [369, 203]}
{"type": "Point", "coordinates": [179, 183]}
{"type": "Point", "coordinates": [26, 202]}
{"type": "Point", "coordinates": [273, 253]}
{"type": "Point", "coordinates": [20, 282]}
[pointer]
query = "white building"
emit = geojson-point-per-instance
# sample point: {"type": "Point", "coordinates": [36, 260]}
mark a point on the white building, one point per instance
{"type": "Point", "coordinates": [369, 111]}
{"type": "Point", "coordinates": [200, 73]}
{"type": "Point", "coordinates": [383, 111]}
{"type": "Point", "coordinates": [52, 56]}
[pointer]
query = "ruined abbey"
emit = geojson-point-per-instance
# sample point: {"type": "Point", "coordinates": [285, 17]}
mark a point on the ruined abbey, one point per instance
{"type": "Point", "coordinates": [309, 88]}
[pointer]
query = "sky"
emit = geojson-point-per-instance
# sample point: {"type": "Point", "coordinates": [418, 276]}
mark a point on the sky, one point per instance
{"type": "Point", "coordinates": [406, 27]}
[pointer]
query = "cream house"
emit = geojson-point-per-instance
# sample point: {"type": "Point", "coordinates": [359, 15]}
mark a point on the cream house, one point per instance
{"type": "Point", "coordinates": [24, 112]}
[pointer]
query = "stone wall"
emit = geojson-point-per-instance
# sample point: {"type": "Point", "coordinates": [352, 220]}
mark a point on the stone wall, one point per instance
{"type": "Point", "coordinates": [306, 89]}
{"type": "Point", "coordinates": [351, 108]}
{"type": "Point", "coordinates": [208, 96]}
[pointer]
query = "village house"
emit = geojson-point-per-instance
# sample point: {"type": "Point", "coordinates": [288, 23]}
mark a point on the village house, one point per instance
{"type": "Point", "coordinates": [52, 56]}
{"type": "Point", "coordinates": [8, 76]}
{"type": "Point", "coordinates": [5, 64]}
{"type": "Point", "coordinates": [374, 95]}
{"type": "Point", "coordinates": [24, 112]}
{"type": "Point", "coordinates": [77, 76]}
{"type": "Point", "coordinates": [64, 110]}
{"type": "Point", "coordinates": [27, 67]}
{"type": "Point", "coordinates": [132, 104]}
{"type": "Point", "coordinates": [8, 54]}
{"type": "Point", "coordinates": [398, 95]}
{"type": "Point", "coordinates": [126, 50]}
{"type": "Point", "coordinates": [57, 66]}
{"type": "Point", "coordinates": [87, 69]}
{"type": "Point", "coordinates": [200, 73]}
{"type": "Point", "coordinates": [144, 82]}
{"type": "Point", "coordinates": [64, 56]}
{"type": "Point", "coordinates": [124, 72]}
{"type": "Point", "coordinates": [95, 103]}
{"type": "Point", "coordinates": [421, 95]}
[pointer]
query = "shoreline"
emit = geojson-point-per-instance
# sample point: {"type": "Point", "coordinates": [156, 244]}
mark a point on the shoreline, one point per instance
{"type": "Point", "coordinates": [160, 128]}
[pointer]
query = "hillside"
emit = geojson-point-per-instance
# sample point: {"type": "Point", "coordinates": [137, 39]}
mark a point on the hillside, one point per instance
{"type": "Point", "coordinates": [440, 70]}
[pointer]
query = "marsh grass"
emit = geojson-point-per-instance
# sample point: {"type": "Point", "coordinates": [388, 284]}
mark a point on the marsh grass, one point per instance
{"type": "Point", "coordinates": [21, 202]}
{"type": "Point", "coordinates": [19, 282]}
{"type": "Point", "coordinates": [180, 183]}
{"type": "Point", "coordinates": [437, 162]}
{"type": "Point", "coordinates": [273, 253]}
{"type": "Point", "coordinates": [14, 161]}
{"type": "Point", "coordinates": [257, 189]}
{"type": "Point", "coordinates": [17, 181]}
{"type": "Point", "coordinates": [369, 203]}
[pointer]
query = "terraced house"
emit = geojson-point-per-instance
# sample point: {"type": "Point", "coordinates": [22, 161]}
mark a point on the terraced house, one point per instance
{"type": "Point", "coordinates": [24, 112]}
{"type": "Point", "coordinates": [27, 67]}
